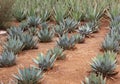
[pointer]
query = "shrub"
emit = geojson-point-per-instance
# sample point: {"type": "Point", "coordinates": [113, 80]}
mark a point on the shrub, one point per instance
{"type": "Point", "coordinates": [5, 11]}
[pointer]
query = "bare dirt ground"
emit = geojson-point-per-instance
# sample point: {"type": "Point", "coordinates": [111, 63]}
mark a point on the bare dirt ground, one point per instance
{"type": "Point", "coordinates": [73, 69]}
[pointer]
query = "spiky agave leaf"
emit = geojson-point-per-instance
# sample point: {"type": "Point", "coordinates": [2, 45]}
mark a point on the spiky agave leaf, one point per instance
{"type": "Point", "coordinates": [58, 52]}
{"type": "Point", "coordinates": [110, 44]}
{"type": "Point", "coordinates": [28, 75]}
{"type": "Point", "coordinates": [79, 38]}
{"type": "Point", "coordinates": [14, 45]}
{"type": "Point", "coordinates": [29, 41]}
{"type": "Point", "coordinates": [104, 64]}
{"type": "Point", "coordinates": [33, 21]}
{"type": "Point", "coordinates": [45, 62]}
{"type": "Point", "coordinates": [65, 42]}
{"type": "Point", "coordinates": [94, 79]}
{"type": "Point", "coordinates": [7, 59]}
{"type": "Point", "coordinates": [45, 34]}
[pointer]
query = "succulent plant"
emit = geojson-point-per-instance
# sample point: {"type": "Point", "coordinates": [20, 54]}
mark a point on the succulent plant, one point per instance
{"type": "Point", "coordinates": [70, 24]}
{"type": "Point", "coordinates": [115, 33]}
{"type": "Point", "coordinates": [60, 29]}
{"type": "Point", "coordinates": [105, 64]}
{"type": "Point", "coordinates": [29, 41]}
{"type": "Point", "coordinates": [94, 79]}
{"type": "Point", "coordinates": [32, 31]}
{"type": "Point", "coordinates": [44, 13]}
{"type": "Point", "coordinates": [115, 22]}
{"type": "Point", "coordinates": [45, 62]}
{"type": "Point", "coordinates": [33, 21]}
{"type": "Point", "coordinates": [94, 26]}
{"type": "Point", "coordinates": [28, 75]}
{"type": "Point", "coordinates": [85, 30]}
{"type": "Point", "coordinates": [45, 34]}
{"type": "Point", "coordinates": [110, 44]}
{"type": "Point", "coordinates": [24, 26]}
{"type": "Point", "coordinates": [14, 45]}
{"type": "Point", "coordinates": [79, 38]}
{"type": "Point", "coordinates": [20, 15]}
{"type": "Point", "coordinates": [14, 31]}
{"type": "Point", "coordinates": [65, 42]}
{"type": "Point", "coordinates": [60, 12]}
{"type": "Point", "coordinates": [58, 52]}
{"type": "Point", "coordinates": [7, 59]}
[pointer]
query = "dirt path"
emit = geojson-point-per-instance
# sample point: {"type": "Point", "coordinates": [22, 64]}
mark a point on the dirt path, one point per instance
{"type": "Point", "coordinates": [69, 71]}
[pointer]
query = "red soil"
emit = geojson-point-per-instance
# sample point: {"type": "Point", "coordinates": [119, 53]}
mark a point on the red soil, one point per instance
{"type": "Point", "coordinates": [73, 69]}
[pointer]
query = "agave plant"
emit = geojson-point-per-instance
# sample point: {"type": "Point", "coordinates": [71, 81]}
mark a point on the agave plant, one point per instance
{"type": "Point", "coordinates": [115, 22]}
{"type": "Point", "coordinates": [65, 42]}
{"type": "Point", "coordinates": [45, 34]}
{"type": "Point", "coordinates": [60, 29]}
{"type": "Point", "coordinates": [32, 31]}
{"type": "Point", "coordinates": [14, 31]}
{"type": "Point", "coordinates": [93, 12]}
{"type": "Point", "coordinates": [76, 11]}
{"type": "Point", "coordinates": [94, 26]}
{"type": "Point", "coordinates": [14, 45]}
{"type": "Point", "coordinates": [114, 10]}
{"type": "Point", "coordinates": [105, 64]}
{"type": "Point", "coordinates": [44, 13]}
{"type": "Point", "coordinates": [70, 24]}
{"type": "Point", "coordinates": [29, 41]}
{"type": "Point", "coordinates": [7, 59]}
{"type": "Point", "coordinates": [24, 26]}
{"type": "Point", "coordinates": [115, 33]}
{"type": "Point", "coordinates": [58, 52]}
{"type": "Point", "coordinates": [45, 62]}
{"type": "Point", "coordinates": [79, 38]}
{"type": "Point", "coordinates": [60, 12]}
{"type": "Point", "coordinates": [110, 44]}
{"type": "Point", "coordinates": [85, 30]}
{"type": "Point", "coordinates": [28, 75]}
{"type": "Point", "coordinates": [20, 15]}
{"type": "Point", "coordinates": [33, 21]}
{"type": "Point", "coordinates": [94, 79]}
